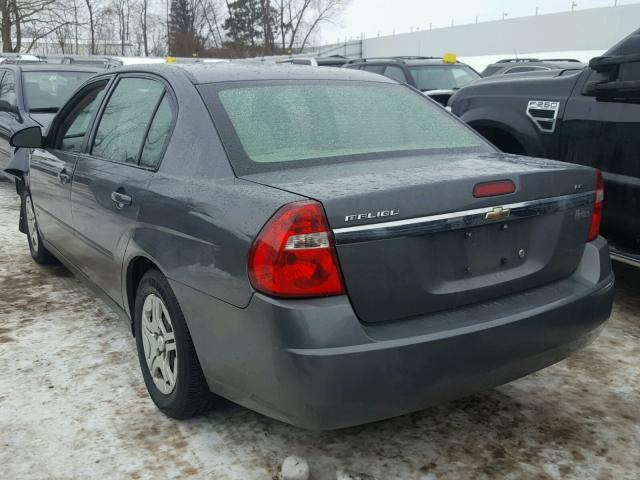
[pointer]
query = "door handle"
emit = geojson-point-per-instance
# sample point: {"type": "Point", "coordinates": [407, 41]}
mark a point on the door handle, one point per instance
{"type": "Point", "coordinates": [121, 199]}
{"type": "Point", "coordinates": [63, 176]}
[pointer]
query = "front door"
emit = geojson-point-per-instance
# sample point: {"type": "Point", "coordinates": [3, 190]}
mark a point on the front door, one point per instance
{"type": "Point", "coordinates": [51, 169]}
{"type": "Point", "coordinates": [604, 134]}
{"type": "Point", "coordinates": [9, 122]}
{"type": "Point", "coordinates": [110, 180]}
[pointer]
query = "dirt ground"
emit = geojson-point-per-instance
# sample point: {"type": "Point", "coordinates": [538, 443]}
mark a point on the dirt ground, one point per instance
{"type": "Point", "coordinates": [73, 404]}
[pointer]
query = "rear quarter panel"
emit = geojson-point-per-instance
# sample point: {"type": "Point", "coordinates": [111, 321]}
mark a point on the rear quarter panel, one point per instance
{"type": "Point", "coordinates": [198, 219]}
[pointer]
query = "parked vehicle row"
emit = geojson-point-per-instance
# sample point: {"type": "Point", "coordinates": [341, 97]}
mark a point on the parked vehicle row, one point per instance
{"type": "Point", "coordinates": [510, 66]}
{"type": "Point", "coordinates": [31, 95]}
{"type": "Point", "coordinates": [325, 246]}
{"type": "Point", "coordinates": [589, 117]}
{"type": "Point", "coordinates": [437, 77]}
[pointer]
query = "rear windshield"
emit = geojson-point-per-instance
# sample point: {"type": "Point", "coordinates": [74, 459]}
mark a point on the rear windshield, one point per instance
{"type": "Point", "coordinates": [47, 91]}
{"type": "Point", "coordinates": [268, 126]}
{"type": "Point", "coordinates": [442, 77]}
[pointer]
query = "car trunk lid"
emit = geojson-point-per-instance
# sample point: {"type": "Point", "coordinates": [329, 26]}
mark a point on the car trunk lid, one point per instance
{"type": "Point", "coordinates": [412, 239]}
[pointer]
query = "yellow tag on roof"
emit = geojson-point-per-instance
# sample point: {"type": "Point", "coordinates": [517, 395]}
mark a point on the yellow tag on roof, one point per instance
{"type": "Point", "coordinates": [170, 60]}
{"type": "Point", "coordinates": [449, 58]}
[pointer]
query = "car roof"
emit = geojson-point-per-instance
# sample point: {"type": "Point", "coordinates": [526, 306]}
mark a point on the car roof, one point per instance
{"type": "Point", "coordinates": [200, 73]}
{"type": "Point", "coordinates": [535, 62]}
{"type": "Point", "coordinates": [410, 61]}
{"type": "Point", "coordinates": [53, 67]}
{"type": "Point", "coordinates": [138, 60]}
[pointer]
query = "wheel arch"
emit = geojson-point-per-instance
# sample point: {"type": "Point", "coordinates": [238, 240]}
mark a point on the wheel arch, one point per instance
{"type": "Point", "coordinates": [137, 266]}
{"type": "Point", "coordinates": [515, 126]}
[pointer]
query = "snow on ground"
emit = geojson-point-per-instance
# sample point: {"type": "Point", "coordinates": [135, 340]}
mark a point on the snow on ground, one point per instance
{"type": "Point", "coordinates": [73, 404]}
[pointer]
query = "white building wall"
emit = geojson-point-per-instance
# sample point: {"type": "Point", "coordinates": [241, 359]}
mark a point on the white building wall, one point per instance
{"type": "Point", "coordinates": [592, 29]}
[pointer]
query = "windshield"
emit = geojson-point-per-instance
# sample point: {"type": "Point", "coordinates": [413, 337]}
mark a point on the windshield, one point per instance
{"type": "Point", "coordinates": [47, 91]}
{"type": "Point", "coordinates": [267, 126]}
{"type": "Point", "coordinates": [442, 77]}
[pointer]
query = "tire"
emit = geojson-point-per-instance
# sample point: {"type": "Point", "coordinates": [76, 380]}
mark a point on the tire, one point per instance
{"type": "Point", "coordinates": [179, 391]}
{"type": "Point", "coordinates": [37, 249]}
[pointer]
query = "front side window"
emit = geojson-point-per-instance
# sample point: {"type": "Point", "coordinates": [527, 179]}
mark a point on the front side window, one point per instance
{"type": "Point", "coordinates": [125, 118]}
{"type": "Point", "coordinates": [47, 91]}
{"type": "Point", "coordinates": [8, 88]}
{"type": "Point", "coordinates": [442, 77]}
{"type": "Point", "coordinates": [76, 124]}
{"type": "Point", "coordinates": [269, 126]}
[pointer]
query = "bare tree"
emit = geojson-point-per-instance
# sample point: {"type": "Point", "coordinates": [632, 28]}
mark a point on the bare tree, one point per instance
{"type": "Point", "coordinates": [39, 15]}
{"type": "Point", "coordinates": [321, 11]}
{"type": "Point", "coordinates": [122, 9]}
{"type": "Point", "coordinates": [299, 19]}
{"type": "Point", "coordinates": [92, 30]}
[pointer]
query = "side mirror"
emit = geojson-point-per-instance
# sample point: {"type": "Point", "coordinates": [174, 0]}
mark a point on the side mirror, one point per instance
{"type": "Point", "coordinates": [30, 137]}
{"type": "Point", "coordinates": [625, 90]}
{"type": "Point", "coordinates": [617, 77]}
{"type": "Point", "coordinates": [8, 107]}
{"type": "Point", "coordinates": [609, 63]}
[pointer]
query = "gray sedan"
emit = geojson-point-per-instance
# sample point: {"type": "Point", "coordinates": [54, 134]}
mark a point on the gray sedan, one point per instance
{"type": "Point", "coordinates": [324, 246]}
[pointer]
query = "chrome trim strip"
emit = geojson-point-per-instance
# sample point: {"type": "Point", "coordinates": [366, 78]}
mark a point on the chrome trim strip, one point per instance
{"type": "Point", "coordinates": [622, 257]}
{"type": "Point", "coordinates": [457, 220]}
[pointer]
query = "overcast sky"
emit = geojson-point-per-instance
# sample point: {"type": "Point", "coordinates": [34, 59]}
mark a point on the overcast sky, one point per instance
{"type": "Point", "coordinates": [370, 17]}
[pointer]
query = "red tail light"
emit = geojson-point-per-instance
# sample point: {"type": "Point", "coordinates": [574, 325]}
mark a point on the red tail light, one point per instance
{"type": "Point", "coordinates": [294, 254]}
{"type": "Point", "coordinates": [596, 215]}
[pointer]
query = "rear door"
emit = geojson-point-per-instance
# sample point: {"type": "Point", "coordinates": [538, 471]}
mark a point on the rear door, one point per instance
{"type": "Point", "coordinates": [110, 179]}
{"type": "Point", "coordinates": [51, 168]}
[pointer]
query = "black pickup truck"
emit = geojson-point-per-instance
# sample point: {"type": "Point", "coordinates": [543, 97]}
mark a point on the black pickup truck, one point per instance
{"type": "Point", "coordinates": [590, 117]}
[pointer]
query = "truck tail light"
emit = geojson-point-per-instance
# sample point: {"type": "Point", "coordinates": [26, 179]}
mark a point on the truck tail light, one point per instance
{"type": "Point", "coordinates": [596, 214]}
{"type": "Point", "coordinates": [294, 254]}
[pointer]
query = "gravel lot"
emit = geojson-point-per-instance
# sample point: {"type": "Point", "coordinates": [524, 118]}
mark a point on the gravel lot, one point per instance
{"type": "Point", "coordinates": [73, 404]}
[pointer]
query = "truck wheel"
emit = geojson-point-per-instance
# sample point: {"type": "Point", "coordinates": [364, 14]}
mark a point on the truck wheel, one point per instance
{"type": "Point", "coordinates": [38, 251]}
{"type": "Point", "coordinates": [168, 359]}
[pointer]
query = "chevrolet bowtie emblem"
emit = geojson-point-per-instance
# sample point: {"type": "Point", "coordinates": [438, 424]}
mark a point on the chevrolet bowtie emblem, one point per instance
{"type": "Point", "coordinates": [497, 213]}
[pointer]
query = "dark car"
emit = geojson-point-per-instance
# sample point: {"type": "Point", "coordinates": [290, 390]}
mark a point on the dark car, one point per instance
{"type": "Point", "coordinates": [589, 116]}
{"type": "Point", "coordinates": [332, 61]}
{"type": "Point", "coordinates": [20, 59]}
{"type": "Point", "coordinates": [91, 60]}
{"type": "Point", "coordinates": [524, 65]}
{"type": "Point", "coordinates": [31, 95]}
{"type": "Point", "coordinates": [437, 77]}
{"type": "Point", "coordinates": [324, 246]}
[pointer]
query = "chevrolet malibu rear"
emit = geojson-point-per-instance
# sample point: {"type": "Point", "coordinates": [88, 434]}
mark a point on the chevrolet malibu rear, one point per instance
{"type": "Point", "coordinates": [342, 250]}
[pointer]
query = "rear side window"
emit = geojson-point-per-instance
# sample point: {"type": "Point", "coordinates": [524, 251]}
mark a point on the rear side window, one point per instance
{"type": "Point", "coordinates": [487, 72]}
{"type": "Point", "coordinates": [158, 136]}
{"type": "Point", "coordinates": [270, 126]}
{"type": "Point", "coordinates": [379, 69]}
{"type": "Point", "coordinates": [396, 73]}
{"type": "Point", "coordinates": [125, 118]}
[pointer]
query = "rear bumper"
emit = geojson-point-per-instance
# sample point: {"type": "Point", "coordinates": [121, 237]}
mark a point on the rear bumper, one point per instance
{"type": "Point", "coordinates": [313, 364]}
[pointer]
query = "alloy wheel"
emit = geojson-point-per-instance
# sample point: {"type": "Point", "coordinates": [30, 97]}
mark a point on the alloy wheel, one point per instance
{"type": "Point", "coordinates": [32, 226]}
{"type": "Point", "coordinates": [159, 343]}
